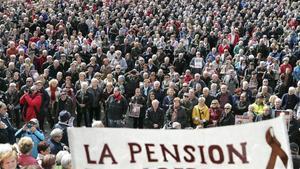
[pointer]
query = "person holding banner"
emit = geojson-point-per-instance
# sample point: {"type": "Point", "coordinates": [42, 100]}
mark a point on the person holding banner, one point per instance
{"type": "Point", "coordinates": [154, 118]}
{"type": "Point", "coordinates": [227, 117]}
{"type": "Point", "coordinates": [200, 114]}
{"type": "Point", "coordinates": [177, 113]}
{"type": "Point", "coordinates": [137, 108]}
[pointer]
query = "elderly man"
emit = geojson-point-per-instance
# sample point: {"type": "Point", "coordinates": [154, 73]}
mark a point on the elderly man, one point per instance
{"type": "Point", "coordinates": [154, 118]}
{"type": "Point", "coordinates": [7, 132]}
{"type": "Point", "coordinates": [290, 100]}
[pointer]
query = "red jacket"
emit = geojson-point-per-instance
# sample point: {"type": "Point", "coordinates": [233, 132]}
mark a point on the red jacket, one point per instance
{"type": "Point", "coordinates": [33, 106]}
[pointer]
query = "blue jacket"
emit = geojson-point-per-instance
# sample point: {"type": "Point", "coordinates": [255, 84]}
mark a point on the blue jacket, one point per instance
{"type": "Point", "coordinates": [36, 137]}
{"type": "Point", "coordinates": [296, 73]}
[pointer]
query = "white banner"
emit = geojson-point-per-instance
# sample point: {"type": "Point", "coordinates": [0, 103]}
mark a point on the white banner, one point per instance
{"type": "Point", "coordinates": [261, 145]}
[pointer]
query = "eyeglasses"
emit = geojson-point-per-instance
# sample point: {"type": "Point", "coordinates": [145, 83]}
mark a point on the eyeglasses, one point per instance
{"type": "Point", "coordinates": [227, 108]}
{"type": "Point", "coordinates": [185, 96]}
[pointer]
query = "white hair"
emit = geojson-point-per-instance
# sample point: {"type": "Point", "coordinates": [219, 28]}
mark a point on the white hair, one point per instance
{"type": "Point", "coordinates": [97, 124]}
{"type": "Point", "coordinates": [66, 161]}
{"type": "Point", "coordinates": [59, 156]}
{"type": "Point", "coordinates": [56, 132]}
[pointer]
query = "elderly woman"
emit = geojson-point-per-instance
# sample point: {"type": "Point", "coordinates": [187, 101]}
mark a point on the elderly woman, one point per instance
{"type": "Point", "coordinates": [8, 157]}
{"type": "Point", "coordinates": [55, 141]}
{"type": "Point", "coordinates": [200, 114]}
{"type": "Point", "coordinates": [31, 129]}
{"type": "Point", "coordinates": [53, 91]}
{"type": "Point", "coordinates": [25, 148]}
{"type": "Point", "coordinates": [66, 161]}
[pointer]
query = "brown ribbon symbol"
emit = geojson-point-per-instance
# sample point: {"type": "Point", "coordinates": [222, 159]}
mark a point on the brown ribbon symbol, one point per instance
{"type": "Point", "coordinates": [276, 150]}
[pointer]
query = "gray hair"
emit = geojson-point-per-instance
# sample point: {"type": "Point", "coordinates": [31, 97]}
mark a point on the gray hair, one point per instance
{"type": "Point", "coordinates": [66, 161]}
{"type": "Point", "coordinates": [56, 132]}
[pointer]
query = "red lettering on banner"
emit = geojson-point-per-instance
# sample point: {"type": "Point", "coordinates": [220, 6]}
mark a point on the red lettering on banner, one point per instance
{"type": "Point", "coordinates": [202, 154]}
{"type": "Point", "coordinates": [149, 152]}
{"type": "Point", "coordinates": [106, 152]}
{"type": "Point", "coordinates": [165, 150]}
{"type": "Point", "coordinates": [87, 153]}
{"type": "Point", "coordinates": [232, 150]}
{"type": "Point", "coordinates": [188, 149]}
{"type": "Point", "coordinates": [132, 151]}
{"type": "Point", "coordinates": [211, 154]}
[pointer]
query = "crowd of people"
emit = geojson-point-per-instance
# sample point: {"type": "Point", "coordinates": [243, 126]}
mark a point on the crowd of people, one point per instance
{"type": "Point", "coordinates": [141, 64]}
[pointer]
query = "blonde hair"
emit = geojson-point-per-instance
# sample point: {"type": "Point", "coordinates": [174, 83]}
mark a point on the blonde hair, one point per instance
{"type": "Point", "coordinates": [25, 145]}
{"type": "Point", "coordinates": [6, 151]}
{"type": "Point", "coordinates": [52, 82]}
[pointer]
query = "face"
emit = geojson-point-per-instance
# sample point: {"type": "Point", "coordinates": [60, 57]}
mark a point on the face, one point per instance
{"type": "Point", "coordinates": [57, 138]}
{"type": "Point", "coordinates": [227, 109]}
{"type": "Point", "coordinates": [243, 97]}
{"type": "Point", "coordinates": [137, 92]}
{"type": "Point", "coordinates": [3, 110]}
{"type": "Point", "coordinates": [176, 103]}
{"type": "Point", "coordinates": [9, 163]}
{"type": "Point", "coordinates": [223, 89]}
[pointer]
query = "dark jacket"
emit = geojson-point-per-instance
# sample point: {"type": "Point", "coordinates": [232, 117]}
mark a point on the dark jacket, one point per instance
{"type": "Point", "coordinates": [153, 117]}
{"type": "Point", "coordinates": [116, 109]}
{"type": "Point", "coordinates": [96, 95]}
{"type": "Point", "coordinates": [55, 147]}
{"type": "Point", "coordinates": [7, 135]}
{"type": "Point", "coordinates": [45, 102]}
{"type": "Point", "coordinates": [65, 105]}
{"type": "Point", "coordinates": [227, 119]}
{"type": "Point", "coordinates": [181, 116]}
{"type": "Point", "coordinates": [289, 101]}
{"type": "Point", "coordinates": [63, 127]}
{"type": "Point", "coordinates": [83, 98]}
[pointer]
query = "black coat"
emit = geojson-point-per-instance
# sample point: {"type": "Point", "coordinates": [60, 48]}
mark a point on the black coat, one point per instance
{"type": "Point", "coordinates": [7, 135]}
{"type": "Point", "coordinates": [96, 95]}
{"type": "Point", "coordinates": [152, 118]}
{"type": "Point", "coordinates": [181, 118]}
{"type": "Point", "coordinates": [116, 109]}
{"type": "Point", "coordinates": [227, 119]}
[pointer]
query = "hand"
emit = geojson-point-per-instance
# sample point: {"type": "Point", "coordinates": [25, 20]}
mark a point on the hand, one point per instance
{"type": "Point", "coordinates": [24, 128]}
{"type": "Point", "coordinates": [82, 105]}
{"type": "Point", "coordinates": [33, 129]}
{"type": "Point", "coordinates": [155, 125]}
{"type": "Point", "coordinates": [2, 125]}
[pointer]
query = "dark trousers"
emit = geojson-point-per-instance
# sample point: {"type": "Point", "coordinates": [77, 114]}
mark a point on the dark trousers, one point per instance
{"type": "Point", "coordinates": [138, 122]}
{"type": "Point", "coordinates": [95, 112]}
{"type": "Point", "coordinates": [83, 112]}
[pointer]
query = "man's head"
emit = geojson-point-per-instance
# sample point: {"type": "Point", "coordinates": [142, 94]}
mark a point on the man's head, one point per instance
{"type": "Point", "coordinates": [155, 104]}
{"type": "Point", "coordinates": [292, 91]}
{"type": "Point", "coordinates": [3, 108]}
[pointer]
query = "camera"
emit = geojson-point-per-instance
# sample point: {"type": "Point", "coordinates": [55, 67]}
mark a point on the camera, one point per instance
{"type": "Point", "coordinates": [29, 125]}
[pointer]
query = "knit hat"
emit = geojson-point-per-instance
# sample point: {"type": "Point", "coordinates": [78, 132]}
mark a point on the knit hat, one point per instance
{"type": "Point", "coordinates": [64, 116]}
